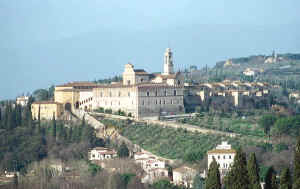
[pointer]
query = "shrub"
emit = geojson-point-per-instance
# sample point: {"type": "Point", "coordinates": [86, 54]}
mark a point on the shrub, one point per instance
{"type": "Point", "coordinates": [100, 110]}
{"type": "Point", "coordinates": [280, 147]}
{"type": "Point", "coordinates": [108, 111]}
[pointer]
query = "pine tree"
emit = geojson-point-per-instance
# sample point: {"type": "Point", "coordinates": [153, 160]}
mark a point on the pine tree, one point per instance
{"type": "Point", "coordinates": [237, 178]}
{"type": "Point", "coordinates": [213, 177]}
{"type": "Point", "coordinates": [270, 179]}
{"type": "Point", "coordinates": [253, 173]}
{"type": "Point", "coordinates": [285, 179]}
{"type": "Point", "coordinates": [54, 126]}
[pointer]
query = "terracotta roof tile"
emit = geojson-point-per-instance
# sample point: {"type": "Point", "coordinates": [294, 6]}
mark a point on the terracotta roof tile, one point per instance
{"type": "Point", "coordinates": [221, 151]}
{"type": "Point", "coordinates": [78, 84]}
{"type": "Point", "coordinates": [46, 102]}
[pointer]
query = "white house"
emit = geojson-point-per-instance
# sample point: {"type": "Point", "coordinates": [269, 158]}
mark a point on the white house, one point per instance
{"type": "Point", "coordinates": [22, 100]}
{"type": "Point", "coordinates": [184, 176]}
{"type": "Point", "coordinates": [224, 155]}
{"type": "Point", "coordinates": [153, 164]}
{"type": "Point", "coordinates": [155, 174]}
{"type": "Point", "coordinates": [249, 72]}
{"type": "Point", "coordinates": [101, 153]}
{"type": "Point", "coordinates": [141, 155]}
{"type": "Point", "coordinates": [154, 168]}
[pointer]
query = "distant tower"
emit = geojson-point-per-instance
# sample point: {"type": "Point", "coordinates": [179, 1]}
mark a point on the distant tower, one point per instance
{"type": "Point", "coordinates": [168, 62]}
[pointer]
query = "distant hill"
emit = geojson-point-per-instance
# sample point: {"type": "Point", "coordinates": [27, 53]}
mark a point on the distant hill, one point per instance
{"type": "Point", "coordinates": [280, 69]}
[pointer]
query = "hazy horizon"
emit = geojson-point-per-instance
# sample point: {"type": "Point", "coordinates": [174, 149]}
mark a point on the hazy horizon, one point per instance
{"type": "Point", "coordinates": [50, 42]}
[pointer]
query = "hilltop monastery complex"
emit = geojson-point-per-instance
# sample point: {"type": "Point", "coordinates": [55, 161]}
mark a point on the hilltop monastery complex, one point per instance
{"type": "Point", "coordinates": [143, 94]}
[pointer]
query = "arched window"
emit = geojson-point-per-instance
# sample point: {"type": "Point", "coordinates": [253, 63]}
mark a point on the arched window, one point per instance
{"type": "Point", "coordinates": [148, 93]}
{"type": "Point", "coordinates": [165, 93]}
{"type": "Point", "coordinates": [155, 93]}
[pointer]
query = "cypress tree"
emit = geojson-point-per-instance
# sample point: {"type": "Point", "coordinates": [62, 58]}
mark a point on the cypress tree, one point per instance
{"type": "Point", "coordinates": [39, 119]}
{"type": "Point", "coordinates": [123, 151]}
{"type": "Point", "coordinates": [213, 180]}
{"type": "Point", "coordinates": [70, 135]}
{"type": "Point", "coordinates": [297, 161]}
{"type": "Point", "coordinates": [270, 179]}
{"type": "Point", "coordinates": [253, 173]}
{"type": "Point", "coordinates": [274, 182]}
{"type": "Point", "coordinates": [54, 126]}
{"type": "Point", "coordinates": [15, 181]}
{"type": "Point", "coordinates": [18, 110]}
{"type": "Point", "coordinates": [237, 177]}
{"type": "Point", "coordinates": [1, 124]}
{"type": "Point", "coordinates": [285, 179]}
{"type": "Point", "coordinates": [198, 182]}
{"type": "Point", "coordinates": [296, 184]}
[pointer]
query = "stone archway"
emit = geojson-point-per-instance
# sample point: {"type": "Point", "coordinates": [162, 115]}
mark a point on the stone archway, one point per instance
{"type": "Point", "coordinates": [68, 106]}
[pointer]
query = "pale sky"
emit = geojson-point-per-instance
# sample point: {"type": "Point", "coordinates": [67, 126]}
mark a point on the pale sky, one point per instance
{"type": "Point", "coordinates": [45, 42]}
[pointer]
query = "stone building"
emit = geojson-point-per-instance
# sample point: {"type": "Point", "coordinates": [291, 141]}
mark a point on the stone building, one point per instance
{"type": "Point", "coordinates": [22, 100]}
{"type": "Point", "coordinates": [47, 109]}
{"type": "Point", "coordinates": [142, 94]}
{"type": "Point", "coordinates": [232, 91]}
{"type": "Point", "coordinates": [184, 176]}
{"type": "Point", "coordinates": [75, 95]}
{"type": "Point", "coordinates": [101, 153]}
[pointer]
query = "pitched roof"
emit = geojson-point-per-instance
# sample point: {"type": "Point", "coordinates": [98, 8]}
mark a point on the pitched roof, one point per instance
{"type": "Point", "coordinates": [110, 152]}
{"type": "Point", "coordinates": [46, 102]}
{"type": "Point", "coordinates": [140, 72]}
{"type": "Point", "coordinates": [183, 169]}
{"type": "Point", "coordinates": [100, 148]}
{"type": "Point", "coordinates": [221, 151]}
{"type": "Point", "coordinates": [78, 84]}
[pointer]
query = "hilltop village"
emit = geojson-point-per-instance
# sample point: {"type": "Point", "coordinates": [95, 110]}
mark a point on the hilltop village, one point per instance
{"type": "Point", "coordinates": [156, 127]}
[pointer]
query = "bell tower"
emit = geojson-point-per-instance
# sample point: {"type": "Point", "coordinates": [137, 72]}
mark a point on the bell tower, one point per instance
{"type": "Point", "coordinates": [168, 62]}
